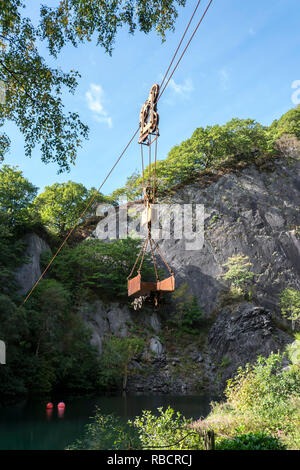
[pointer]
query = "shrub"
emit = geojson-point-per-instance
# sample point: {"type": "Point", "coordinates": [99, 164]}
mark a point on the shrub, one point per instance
{"type": "Point", "coordinates": [293, 350]}
{"type": "Point", "coordinates": [290, 304]}
{"type": "Point", "coordinates": [266, 392]}
{"type": "Point", "coordinates": [251, 441]}
{"type": "Point", "coordinates": [189, 315]}
{"type": "Point", "coordinates": [160, 432]}
{"type": "Point", "coordinates": [108, 432]}
{"type": "Point", "coordinates": [238, 272]}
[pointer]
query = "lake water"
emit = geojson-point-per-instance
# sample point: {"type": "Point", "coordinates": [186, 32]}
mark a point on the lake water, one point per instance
{"type": "Point", "coordinates": [29, 426]}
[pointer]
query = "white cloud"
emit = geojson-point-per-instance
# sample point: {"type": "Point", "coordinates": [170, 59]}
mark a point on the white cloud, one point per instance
{"type": "Point", "coordinates": [224, 77]}
{"type": "Point", "coordinates": [95, 97]}
{"type": "Point", "coordinates": [184, 89]}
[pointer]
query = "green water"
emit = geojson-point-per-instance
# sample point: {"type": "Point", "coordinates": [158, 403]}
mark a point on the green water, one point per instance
{"type": "Point", "coordinates": [27, 425]}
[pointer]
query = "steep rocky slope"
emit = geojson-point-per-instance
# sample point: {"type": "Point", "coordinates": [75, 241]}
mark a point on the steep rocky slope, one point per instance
{"type": "Point", "coordinates": [254, 212]}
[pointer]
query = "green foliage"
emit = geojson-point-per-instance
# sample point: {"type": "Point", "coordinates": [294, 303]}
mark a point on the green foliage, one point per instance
{"type": "Point", "coordinates": [289, 124]}
{"type": "Point", "coordinates": [99, 267]}
{"type": "Point", "coordinates": [213, 147]}
{"type": "Point", "coordinates": [160, 432]}
{"type": "Point", "coordinates": [35, 89]}
{"type": "Point", "coordinates": [59, 206]}
{"type": "Point", "coordinates": [293, 350]}
{"type": "Point", "coordinates": [251, 441]}
{"type": "Point", "coordinates": [267, 391]}
{"type": "Point", "coordinates": [238, 272]}
{"type": "Point", "coordinates": [108, 432]}
{"type": "Point", "coordinates": [290, 304]}
{"type": "Point", "coordinates": [34, 92]}
{"type": "Point", "coordinates": [16, 196]}
{"type": "Point", "coordinates": [60, 340]}
{"type": "Point", "coordinates": [116, 356]}
{"type": "Point", "coordinates": [188, 316]}
{"type": "Point", "coordinates": [75, 21]}
{"type": "Point", "coordinates": [48, 345]}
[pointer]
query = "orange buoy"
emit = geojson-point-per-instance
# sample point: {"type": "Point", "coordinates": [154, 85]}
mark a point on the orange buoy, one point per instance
{"type": "Point", "coordinates": [61, 405]}
{"type": "Point", "coordinates": [49, 406]}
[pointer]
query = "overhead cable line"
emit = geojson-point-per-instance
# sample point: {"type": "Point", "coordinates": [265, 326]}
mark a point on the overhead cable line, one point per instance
{"type": "Point", "coordinates": [178, 47]}
{"type": "Point", "coordinates": [78, 220]}
{"type": "Point", "coordinates": [184, 51]}
{"type": "Point", "coordinates": [125, 148]}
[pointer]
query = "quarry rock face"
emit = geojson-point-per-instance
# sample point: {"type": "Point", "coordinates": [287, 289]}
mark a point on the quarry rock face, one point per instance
{"type": "Point", "coordinates": [30, 272]}
{"type": "Point", "coordinates": [240, 334]}
{"type": "Point", "coordinates": [105, 320]}
{"type": "Point", "coordinates": [253, 213]}
{"type": "Point", "coordinates": [156, 347]}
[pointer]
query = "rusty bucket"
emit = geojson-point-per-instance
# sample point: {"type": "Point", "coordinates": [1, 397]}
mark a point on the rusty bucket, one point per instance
{"type": "Point", "coordinates": [138, 287]}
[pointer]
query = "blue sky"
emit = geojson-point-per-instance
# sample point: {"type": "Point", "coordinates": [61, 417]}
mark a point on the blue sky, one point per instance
{"type": "Point", "coordinates": [241, 63]}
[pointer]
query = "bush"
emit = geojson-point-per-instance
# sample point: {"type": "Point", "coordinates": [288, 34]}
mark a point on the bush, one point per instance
{"type": "Point", "coordinates": [290, 304]}
{"type": "Point", "coordinates": [251, 441]}
{"type": "Point", "coordinates": [170, 427]}
{"type": "Point", "coordinates": [188, 314]}
{"type": "Point", "coordinates": [266, 392]}
{"type": "Point", "coordinates": [108, 432]}
{"type": "Point", "coordinates": [238, 272]}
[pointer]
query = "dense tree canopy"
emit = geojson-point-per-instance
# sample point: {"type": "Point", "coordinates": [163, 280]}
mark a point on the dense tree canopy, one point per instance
{"type": "Point", "coordinates": [213, 147]}
{"type": "Point", "coordinates": [34, 89]}
{"type": "Point", "coordinates": [74, 20]}
{"type": "Point", "coordinates": [16, 195]}
{"type": "Point", "coordinates": [59, 206]}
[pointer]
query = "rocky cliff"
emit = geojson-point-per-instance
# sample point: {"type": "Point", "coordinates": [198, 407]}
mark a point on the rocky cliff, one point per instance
{"type": "Point", "coordinates": [253, 212]}
{"type": "Point", "coordinates": [29, 273]}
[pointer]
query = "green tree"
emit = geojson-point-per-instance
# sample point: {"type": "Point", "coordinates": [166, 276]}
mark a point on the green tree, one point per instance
{"type": "Point", "coordinates": [16, 196]}
{"type": "Point", "coordinates": [238, 272]}
{"type": "Point", "coordinates": [289, 124]}
{"type": "Point", "coordinates": [59, 206]}
{"type": "Point", "coordinates": [34, 88]}
{"type": "Point", "coordinates": [116, 356]}
{"type": "Point", "coordinates": [95, 266]}
{"type": "Point", "coordinates": [290, 304]}
{"type": "Point", "coordinates": [293, 350]}
{"type": "Point", "coordinates": [188, 313]}
{"type": "Point", "coordinates": [60, 355]}
{"type": "Point", "coordinates": [266, 392]}
{"type": "Point", "coordinates": [207, 148]}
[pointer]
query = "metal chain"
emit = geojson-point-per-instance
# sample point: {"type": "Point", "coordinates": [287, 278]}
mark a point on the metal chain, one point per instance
{"type": "Point", "coordinates": [162, 257]}
{"type": "Point", "coordinates": [154, 261]}
{"type": "Point", "coordinates": [144, 251]}
{"type": "Point", "coordinates": [136, 261]}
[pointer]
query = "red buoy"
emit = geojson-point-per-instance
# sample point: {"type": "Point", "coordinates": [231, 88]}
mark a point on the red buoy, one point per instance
{"type": "Point", "coordinates": [49, 406]}
{"type": "Point", "coordinates": [61, 405]}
